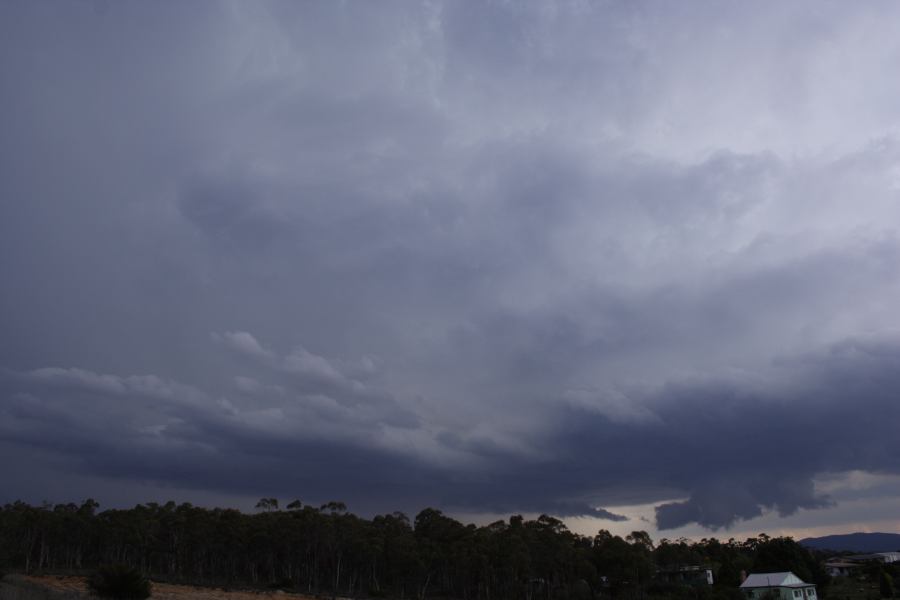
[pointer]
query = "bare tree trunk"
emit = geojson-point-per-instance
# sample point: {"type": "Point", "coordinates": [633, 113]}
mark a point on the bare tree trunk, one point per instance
{"type": "Point", "coordinates": [337, 577]}
{"type": "Point", "coordinates": [425, 587]}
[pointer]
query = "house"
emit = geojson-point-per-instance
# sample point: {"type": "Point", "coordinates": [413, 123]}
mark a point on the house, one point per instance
{"type": "Point", "coordinates": [686, 575]}
{"type": "Point", "coordinates": [841, 568]}
{"type": "Point", "coordinates": [785, 586]}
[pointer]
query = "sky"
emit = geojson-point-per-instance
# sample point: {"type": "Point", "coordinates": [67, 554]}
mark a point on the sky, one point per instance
{"type": "Point", "coordinates": [633, 264]}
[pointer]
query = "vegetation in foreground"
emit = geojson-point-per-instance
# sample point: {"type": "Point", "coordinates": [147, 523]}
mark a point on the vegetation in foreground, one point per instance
{"type": "Point", "coordinates": [871, 582]}
{"type": "Point", "coordinates": [119, 582]}
{"type": "Point", "coordinates": [328, 550]}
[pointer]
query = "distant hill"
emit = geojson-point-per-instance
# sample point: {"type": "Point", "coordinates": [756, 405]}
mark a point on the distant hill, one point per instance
{"type": "Point", "coordinates": [855, 542]}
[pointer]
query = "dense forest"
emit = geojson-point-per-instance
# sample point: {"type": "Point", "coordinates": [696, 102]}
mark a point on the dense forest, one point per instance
{"type": "Point", "coordinates": [330, 551]}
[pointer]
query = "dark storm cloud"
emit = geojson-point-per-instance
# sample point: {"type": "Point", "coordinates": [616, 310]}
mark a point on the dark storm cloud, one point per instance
{"type": "Point", "coordinates": [496, 257]}
{"type": "Point", "coordinates": [736, 447]}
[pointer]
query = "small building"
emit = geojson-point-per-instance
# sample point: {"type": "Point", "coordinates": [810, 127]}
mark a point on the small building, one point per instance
{"type": "Point", "coordinates": [785, 586]}
{"type": "Point", "coordinates": [686, 575]}
{"type": "Point", "coordinates": [841, 568]}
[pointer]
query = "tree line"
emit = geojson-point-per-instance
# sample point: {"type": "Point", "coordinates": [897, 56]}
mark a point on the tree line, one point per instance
{"type": "Point", "coordinates": [330, 551]}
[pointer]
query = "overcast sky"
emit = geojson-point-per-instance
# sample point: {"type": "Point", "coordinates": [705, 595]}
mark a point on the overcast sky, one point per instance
{"type": "Point", "coordinates": [631, 263]}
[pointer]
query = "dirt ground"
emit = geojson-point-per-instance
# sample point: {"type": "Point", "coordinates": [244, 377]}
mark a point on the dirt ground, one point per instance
{"type": "Point", "coordinates": [166, 591]}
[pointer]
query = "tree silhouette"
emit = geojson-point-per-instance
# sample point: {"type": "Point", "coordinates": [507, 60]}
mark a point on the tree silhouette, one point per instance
{"type": "Point", "coordinates": [332, 552]}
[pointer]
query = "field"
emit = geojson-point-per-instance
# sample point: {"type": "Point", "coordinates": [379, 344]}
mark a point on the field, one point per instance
{"type": "Point", "coordinates": [68, 586]}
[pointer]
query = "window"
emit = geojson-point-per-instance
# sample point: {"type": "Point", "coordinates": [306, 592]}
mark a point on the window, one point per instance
{"type": "Point", "coordinates": [798, 594]}
{"type": "Point", "coordinates": [811, 593]}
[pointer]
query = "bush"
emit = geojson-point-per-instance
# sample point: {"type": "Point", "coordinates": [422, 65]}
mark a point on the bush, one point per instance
{"type": "Point", "coordinates": [283, 584]}
{"type": "Point", "coordinates": [120, 582]}
{"type": "Point", "coordinates": [886, 585]}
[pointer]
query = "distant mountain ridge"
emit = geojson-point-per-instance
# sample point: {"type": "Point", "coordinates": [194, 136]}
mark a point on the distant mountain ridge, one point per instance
{"type": "Point", "coordinates": [855, 542]}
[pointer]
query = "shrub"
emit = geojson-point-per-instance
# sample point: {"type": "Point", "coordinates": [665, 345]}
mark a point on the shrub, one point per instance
{"type": "Point", "coordinates": [283, 584]}
{"type": "Point", "coordinates": [120, 582]}
{"type": "Point", "coordinates": [886, 585]}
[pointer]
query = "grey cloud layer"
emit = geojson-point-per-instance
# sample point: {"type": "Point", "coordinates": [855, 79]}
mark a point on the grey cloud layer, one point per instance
{"type": "Point", "coordinates": [737, 446]}
{"type": "Point", "coordinates": [536, 256]}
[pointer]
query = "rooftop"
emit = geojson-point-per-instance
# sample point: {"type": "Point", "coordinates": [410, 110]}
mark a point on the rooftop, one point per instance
{"type": "Point", "coordinates": [762, 580]}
